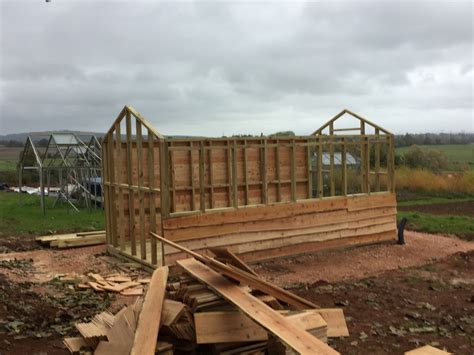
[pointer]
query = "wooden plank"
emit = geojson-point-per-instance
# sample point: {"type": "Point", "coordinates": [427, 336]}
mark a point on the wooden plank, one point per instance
{"type": "Point", "coordinates": [152, 195]}
{"type": "Point", "coordinates": [427, 350]}
{"type": "Point", "coordinates": [74, 345]}
{"type": "Point", "coordinates": [79, 242]}
{"type": "Point", "coordinates": [335, 320]}
{"type": "Point", "coordinates": [227, 327]}
{"type": "Point", "coordinates": [131, 193]}
{"type": "Point", "coordinates": [148, 325]}
{"type": "Point", "coordinates": [231, 258]}
{"type": "Point", "coordinates": [309, 171]}
{"type": "Point", "coordinates": [246, 278]}
{"type": "Point", "coordinates": [141, 198]}
{"type": "Point", "coordinates": [293, 336]}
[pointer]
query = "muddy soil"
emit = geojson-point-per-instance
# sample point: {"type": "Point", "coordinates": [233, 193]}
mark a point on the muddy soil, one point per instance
{"type": "Point", "coordinates": [19, 243]}
{"type": "Point", "coordinates": [465, 208]}
{"type": "Point", "coordinates": [402, 309]}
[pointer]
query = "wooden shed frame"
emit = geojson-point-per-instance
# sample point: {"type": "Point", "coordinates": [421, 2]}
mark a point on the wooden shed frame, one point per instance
{"type": "Point", "coordinates": [260, 196]}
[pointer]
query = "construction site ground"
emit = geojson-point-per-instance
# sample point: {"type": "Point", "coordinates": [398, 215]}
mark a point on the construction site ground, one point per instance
{"type": "Point", "coordinates": [394, 297]}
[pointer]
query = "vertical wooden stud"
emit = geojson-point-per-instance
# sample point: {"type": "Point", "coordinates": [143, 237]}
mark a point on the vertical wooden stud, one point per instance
{"type": "Point", "coordinates": [263, 173]}
{"type": "Point", "coordinates": [234, 175]}
{"type": "Point", "coordinates": [118, 175]}
{"type": "Point", "coordinates": [172, 178]}
{"type": "Point", "coordinates": [320, 192]}
{"type": "Point", "coordinates": [141, 198]}
{"type": "Point", "coordinates": [152, 194]}
{"type": "Point", "coordinates": [377, 160]}
{"type": "Point", "coordinates": [309, 168]}
{"type": "Point", "coordinates": [229, 173]}
{"type": "Point", "coordinates": [191, 170]}
{"type": "Point", "coordinates": [332, 178]}
{"type": "Point", "coordinates": [211, 182]}
{"type": "Point", "coordinates": [131, 193]}
{"type": "Point", "coordinates": [202, 191]}
{"type": "Point", "coordinates": [277, 167]}
{"type": "Point", "coordinates": [246, 173]}
{"type": "Point", "coordinates": [293, 170]}
{"type": "Point", "coordinates": [344, 166]}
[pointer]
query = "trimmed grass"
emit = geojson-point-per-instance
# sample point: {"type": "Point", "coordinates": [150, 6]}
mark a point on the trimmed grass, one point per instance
{"type": "Point", "coordinates": [433, 200]}
{"type": "Point", "coordinates": [458, 154]}
{"type": "Point", "coordinates": [8, 165]}
{"type": "Point", "coordinates": [461, 226]}
{"type": "Point", "coordinates": [26, 217]}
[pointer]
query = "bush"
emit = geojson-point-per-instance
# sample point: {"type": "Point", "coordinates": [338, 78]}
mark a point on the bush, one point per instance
{"type": "Point", "coordinates": [433, 160]}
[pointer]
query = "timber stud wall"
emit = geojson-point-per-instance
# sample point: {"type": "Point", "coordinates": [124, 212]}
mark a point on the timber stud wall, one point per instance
{"type": "Point", "coordinates": [259, 196]}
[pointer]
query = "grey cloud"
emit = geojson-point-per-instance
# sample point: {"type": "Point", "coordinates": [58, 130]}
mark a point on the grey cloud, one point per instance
{"type": "Point", "coordinates": [211, 68]}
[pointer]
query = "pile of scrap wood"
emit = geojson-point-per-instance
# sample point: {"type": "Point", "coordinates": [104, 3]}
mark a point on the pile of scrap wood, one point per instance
{"type": "Point", "coordinates": [213, 307]}
{"type": "Point", "coordinates": [126, 285]}
{"type": "Point", "coordinates": [72, 240]}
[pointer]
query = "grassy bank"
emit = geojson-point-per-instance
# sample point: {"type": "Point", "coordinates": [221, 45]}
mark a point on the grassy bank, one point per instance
{"type": "Point", "coordinates": [461, 226]}
{"type": "Point", "coordinates": [26, 217]}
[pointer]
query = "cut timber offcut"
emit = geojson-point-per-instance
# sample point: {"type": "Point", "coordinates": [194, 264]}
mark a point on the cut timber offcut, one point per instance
{"type": "Point", "coordinates": [275, 323]}
{"type": "Point", "coordinates": [150, 316]}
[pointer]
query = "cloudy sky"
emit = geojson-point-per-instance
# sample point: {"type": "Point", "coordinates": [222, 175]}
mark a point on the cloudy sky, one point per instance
{"type": "Point", "coordinates": [213, 68]}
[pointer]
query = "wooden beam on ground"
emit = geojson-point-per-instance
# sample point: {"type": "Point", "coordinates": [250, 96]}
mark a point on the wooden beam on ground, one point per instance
{"type": "Point", "coordinates": [148, 325]}
{"type": "Point", "coordinates": [226, 255]}
{"type": "Point", "coordinates": [275, 323]}
{"type": "Point", "coordinates": [246, 278]}
{"type": "Point", "coordinates": [336, 321]}
{"type": "Point", "coordinates": [227, 327]}
{"type": "Point", "coordinates": [427, 350]}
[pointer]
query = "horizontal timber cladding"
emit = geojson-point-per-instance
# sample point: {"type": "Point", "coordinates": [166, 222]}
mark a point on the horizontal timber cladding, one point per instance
{"type": "Point", "coordinates": [261, 232]}
{"type": "Point", "coordinates": [259, 196]}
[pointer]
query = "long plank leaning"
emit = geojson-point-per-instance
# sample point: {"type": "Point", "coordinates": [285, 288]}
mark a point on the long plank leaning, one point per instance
{"type": "Point", "coordinates": [275, 323]}
{"type": "Point", "coordinates": [245, 278]}
{"type": "Point", "coordinates": [148, 326]}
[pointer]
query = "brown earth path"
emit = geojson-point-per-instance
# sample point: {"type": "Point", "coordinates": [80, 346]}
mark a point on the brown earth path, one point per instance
{"type": "Point", "coordinates": [361, 262]}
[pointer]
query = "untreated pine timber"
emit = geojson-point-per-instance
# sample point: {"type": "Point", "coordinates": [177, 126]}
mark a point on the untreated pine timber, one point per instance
{"type": "Point", "coordinates": [148, 325]}
{"type": "Point", "coordinates": [293, 336]}
{"type": "Point", "coordinates": [152, 196]}
{"type": "Point", "coordinates": [140, 193]}
{"type": "Point", "coordinates": [118, 174]}
{"type": "Point", "coordinates": [131, 193]}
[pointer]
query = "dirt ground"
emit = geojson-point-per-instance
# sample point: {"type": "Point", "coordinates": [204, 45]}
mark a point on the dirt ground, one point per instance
{"type": "Point", "coordinates": [465, 208]}
{"type": "Point", "coordinates": [394, 297]}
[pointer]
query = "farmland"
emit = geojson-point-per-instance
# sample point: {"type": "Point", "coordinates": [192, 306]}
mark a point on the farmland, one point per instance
{"type": "Point", "coordinates": [460, 156]}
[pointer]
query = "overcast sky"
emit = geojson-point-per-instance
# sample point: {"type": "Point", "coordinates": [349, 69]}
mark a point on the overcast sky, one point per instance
{"type": "Point", "coordinates": [209, 68]}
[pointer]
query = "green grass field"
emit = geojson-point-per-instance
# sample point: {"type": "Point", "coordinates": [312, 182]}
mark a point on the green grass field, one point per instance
{"type": "Point", "coordinates": [25, 217]}
{"type": "Point", "coordinates": [458, 154]}
{"type": "Point", "coordinates": [461, 226]}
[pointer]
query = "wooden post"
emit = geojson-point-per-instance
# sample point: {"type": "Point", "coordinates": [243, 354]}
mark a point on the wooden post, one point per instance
{"type": "Point", "coordinates": [141, 199]}
{"type": "Point", "coordinates": [344, 166]}
{"type": "Point", "coordinates": [277, 167]}
{"type": "Point", "coordinates": [245, 174]}
{"type": "Point", "coordinates": [202, 191]}
{"type": "Point", "coordinates": [332, 182]}
{"type": "Point", "coordinates": [118, 176]}
{"type": "Point", "coordinates": [112, 188]}
{"type": "Point", "coordinates": [164, 192]}
{"type": "Point", "coordinates": [320, 192]}
{"type": "Point", "coordinates": [309, 168]}
{"type": "Point", "coordinates": [293, 170]}
{"type": "Point", "coordinates": [263, 165]}
{"type": "Point", "coordinates": [229, 173]}
{"type": "Point", "coordinates": [377, 160]}
{"type": "Point", "coordinates": [191, 164]}
{"type": "Point", "coordinates": [131, 193]}
{"type": "Point", "coordinates": [172, 178]}
{"type": "Point", "coordinates": [234, 175]}
{"type": "Point", "coordinates": [211, 185]}
{"type": "Point", "coordinates": [391, 163]}
{"type": "Point", "coordinates": [152, 194]}
{"type": "Point", "coordinates": [363, 159]}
